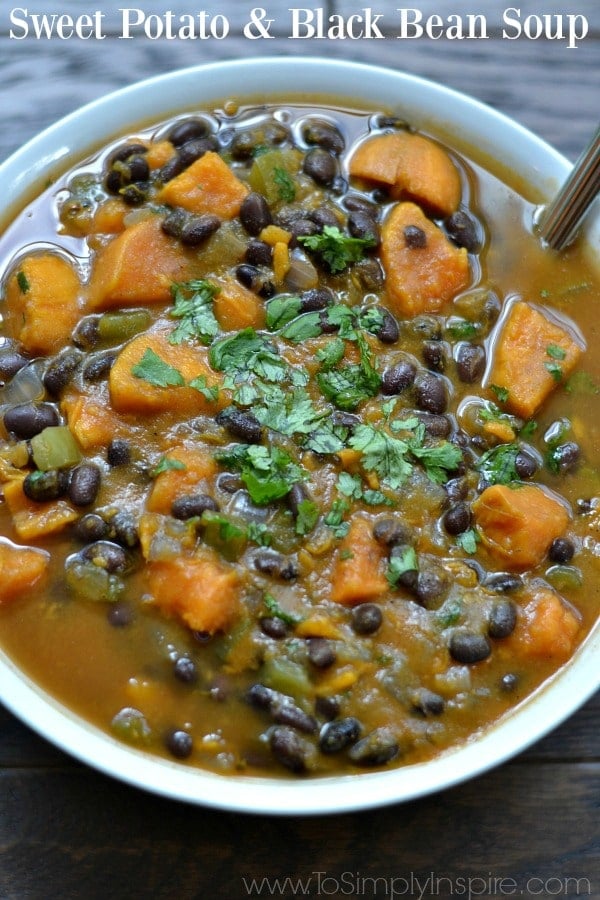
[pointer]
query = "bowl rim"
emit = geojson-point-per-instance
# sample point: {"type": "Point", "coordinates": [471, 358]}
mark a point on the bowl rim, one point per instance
{"type": "Point", "coordinates": [151, 100]}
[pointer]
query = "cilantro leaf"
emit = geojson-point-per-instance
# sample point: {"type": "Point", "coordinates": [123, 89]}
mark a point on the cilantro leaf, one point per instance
{"type": "Point", "coordinates": [556, 352]}
{"type": "Point", "coordinates": [348, 386]}
{"type": "Point", "coordinates": [166, 464]}
{"type": "Point", "coordinates": [502, 393]}
{"type": "Point", "coordinates": [200, 384]}
{"type": "Point", "coordinates": [246, 351]}
{"type": "Point", "coordinates": [281, 310]}
{"type": "Point", "coordinates": [383, 454]}
{"type": "Point", "coordinates": [306, 326]}
{"type": "Point", "coordinates": [307, 517]}
{"type": "Point", "coordinates": [497, 465]}
{"type": "Point", "coordinates": [468, 540]}
{"type": "Point", "coordinates": [268, 473]}
{"type": "Point", "coordinates": [286, 188]}
{"type": "Point", "coordinates": [437, 460]}
{"type": "Point", "coordinates": [400, 563]}
{"type": "Point", "coordinates": [193, 307]}
{"type": "Point", "coordinates": [275, 610]}
{"type": "Point", "coordinates": [335, 248]}
{"type": "Point", "coordinates": [23, 281]}
{"type": "Point", "coordinates": [156, 371]}
{"type": "Point", "coordinates": [555, 370]}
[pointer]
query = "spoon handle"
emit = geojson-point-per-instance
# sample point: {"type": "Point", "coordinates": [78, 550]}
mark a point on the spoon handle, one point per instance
{"type": "Point", "coordinates": [559, 220]}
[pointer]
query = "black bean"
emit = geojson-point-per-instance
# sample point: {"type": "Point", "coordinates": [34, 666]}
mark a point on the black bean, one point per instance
{"type": "Point", "coordinates": [431, 394]}
{"type": "Point", "coordinates": [300, 228]}
{"type": "Point", "coordinates": [258, 253]}
{"type": "Point", "coordinates": [43, 486]}
{"type": "Point", "coordinates": [198, 228]}
{"type": "Point", "coordinates": [435, 355]}
{"type": "Point", "coordinates": [322, 216]}
{"type": "Point", "coordinates": [366, 618]}
{"type": "Point", "coordinates": [60, 371]}
{"type": "Point", "coordinates": [91, 527]}
{"type": "Point", "coordinates": [390, 531]}
{"type": "Point", "coordinates": [362, 225]}
{"type": "Point", "coordinates": [565, 457]}
{"type": "Point", "coordinates": [99, 366]}
{"type": "Point", "coordinates": [125, 528]}
{"type": "Point", "coordinates": [376, 749]}
{"type": "Point", "coordinates": [324, 134]}
{"type": "Point", "coordinates": [389, 330]}
{"type": "Point", "coordinates": [84, 484]}
{"type": "Point", "coordinates": [86, 335]}
{"type": "Point", "coordinates": [273, 627]}
{"type": "Point", "coordinates": [244, 144]}
{"type": "Point", "coordinates": [371, 278]}
{"type": "Point", "coordinates": [185, 670]}
{"type": "Point", "coordinates": [241, 424]}
{"type": "Point", "coordinates": [271, 562]}
{"type": "Point", "coordinates": [469, 646]}
{"type": "Point", "coordinates": [289, 749]}
{"type": "Point", "coordinates": [525, 464]}
{"type": "Point", "coordinates": [463, 230]}
{"type": "Point", "coordinates": [179, 743]}
{"type": "Point", "coordinates": [28, 419]}
{"type": "Point", "coordinates": [503, 619]}
{"type": "Point", "coordinates": [397, 378]}
{"type": "Point", "coordinates": [187, 130]}
{"type": "Point", "coordinates": [408, 578]}
{"type": "Point", "coordinates": [356, 203]}
{"type": "Point", "coordinates": [321, 166]}
{"type": "Point", "coordinates": [426, 328]}
{"type": "Point", "coordinates": [229, 483]}
{"type": "Point", "coordinates": [173, 167]}
{"type": "Point", "coordinates": [123, 152]}
{"type": "Point", "coordinates": [561, 550]}
{"type": "Point", "coordinates": [509, 682]}
{"type": "Point", "coordinates": [192, 505]}
{"type": "Point", "coordinates": [435, 425]}
{"type": "Point", "coordinates": [173, 222]}
{"type": "Point", "coordinates": [255, 213]}
{"type": "Point", "coordinates": [456, 489]}
{"type": "Point", "coordinates": [431, 585]}
{"type": "Point", "coordinates": [316, 299]}
{"type": "Point", "coordinates": [260, 696]}
{"type": "Point", "coordinates": [284, 712]}
{"type": "Point", "coordinates": [118, 452]}
{"type": "Point", "coordinates": [194, 149]}
{"type": "Point", "coordinates": [327, 707]}
{"type": "Point", "coordinates": [106, 555]}
{"type": "Point", "coordinates": [470, 362]}
{"type": "Point", "coordinates": [457, 519]}
{"type": "Point", "coordinates": [252, 278]}
{"type": "Point", "coordinates": [427, 702]}
{"type": "Point", "coordinates": [297, 495]}
{"type": "Point", "coordinates": [503, 582]}
{"type": "Point", "coordinates": [321, 652]}
{"type": "Point", "coordinates": [344, 419]}
{"type": "Point", "coordinates": [414, 237]}
{"type": "Point", "coordinates": [336, 736]}
{"type": "Point", "coordinates": [11, 362]}
{"type": "Point", "coordinates": [120, 615]}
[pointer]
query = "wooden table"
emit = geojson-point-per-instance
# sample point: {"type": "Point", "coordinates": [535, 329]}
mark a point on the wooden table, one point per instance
{"type": "Point", "coordinates": [67, 832]}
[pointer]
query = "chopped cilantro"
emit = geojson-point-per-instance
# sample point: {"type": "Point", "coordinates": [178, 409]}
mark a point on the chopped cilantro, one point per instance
{"type": "Point", "coordinates": [468, 540]}
{"type": "Point", "coordinates": [166, 464]}
{"type": "Point", "coordinates": [383, 454]}
{"type": "Point", "coordinates": [502, 393]}
{"type": "Point", "coordinates": [156, 371]}
{"type": "Point", "coordinates": [348, 386]}
{"type": "Point", "coordinates": [286, 188]}
{"type": "Point", "coordinates": [335, 517]}
{"type": "Point", "coordinates": [23, 281]}
{"type": "Point", "coordinates": [335, 248]}
{"type": "Point", "coordinates": [555, 351]}
{"type": "Point", "coordinates": [306, 326]}
{"type": "Point", "coordinates": [555, 370]}
{"type": "Point", "coordinates": [497, 465]}
{"type": "Point", "coordinates": [275, 610]}
{"type": "Point", "coordinates": [288, 412]}
{"type": "Point", "coordinates": [437, 460]}
{"type": "Point", "coordinates": [193, 307]}
{"type": "Point", "coordinates": [246, 351]}
{"type": "Point", "coordinates": [258, 532]}
{"type": "Point", "coordinates": [581, 383]}
{"type": "Point", "coordinates": [331, 354]}
{"type": "Point", "coordinates": [281, 310]}
{"type": "Point", "coordinates": [449, 613]}
{"type": "Point", "coordinates": [405, 561]}
{"type": "Point", "coordinates": [268, 473]}
{"type": "Point", "coordinates": [200, 384]}
{"type": "Point", "coordinates": [461, 329]}
{"type": "Point", "coordinates": [307, 517]}
{"type": "Point", "coordinates": [346, 553]}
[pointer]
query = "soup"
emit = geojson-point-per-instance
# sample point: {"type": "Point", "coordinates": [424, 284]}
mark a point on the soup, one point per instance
{"type": "Point", "coordinates": [298, 459]}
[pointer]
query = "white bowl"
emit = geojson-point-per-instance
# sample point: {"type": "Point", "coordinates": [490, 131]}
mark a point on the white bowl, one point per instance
{"type": "Point", "coordinates": [421, 102]}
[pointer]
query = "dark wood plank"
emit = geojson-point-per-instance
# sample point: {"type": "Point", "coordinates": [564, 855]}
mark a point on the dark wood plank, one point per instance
{"type": "Point", "coordinates": [91, 838]}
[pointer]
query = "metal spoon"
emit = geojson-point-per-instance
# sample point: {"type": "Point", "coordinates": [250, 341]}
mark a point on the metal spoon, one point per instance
{"type": "Point", "coordinates": [559, 221]}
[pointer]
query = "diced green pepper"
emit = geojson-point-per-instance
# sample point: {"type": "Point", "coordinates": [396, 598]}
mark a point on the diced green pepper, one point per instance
{"type": "Point", "coordinates": [55, 448]}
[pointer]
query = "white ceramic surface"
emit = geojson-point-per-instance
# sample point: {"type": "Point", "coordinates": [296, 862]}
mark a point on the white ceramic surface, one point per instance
{"type": "Point", "coordinates": [421, 102]}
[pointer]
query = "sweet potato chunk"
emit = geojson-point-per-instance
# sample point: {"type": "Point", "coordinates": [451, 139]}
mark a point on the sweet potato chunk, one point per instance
{"type": "Point", "coordinates": [43, 302]}
{"type": "Point", "coordinates": [532, 356]}
{"type": "Point", "coordinates": [92, 423]}
{"type": "Point", "coordinates": [236, 307]}
{"type": "Point", "coordinates": [518, 523]}
{"type": "Point", "coordinates": [137, 267]}
{"type": "Point", "coordinates": [546, 628]}
{"type": "Point", "coordinates": [420, 279]}
{"type": "Point", "coordinates": [33, 520]}
{"type": "Point", "coordinates": [130, 393]}
{"type": "Point", "coordinates": [413, 167]}
{"type": "Point", "coordinates": [21, 568]}
{"type": "Point", "coordinates": [200, 590]}
{"type": "Point", "coordinates": [207, 186]}
{"type": "Point", "coordinates": [358, 569]}
{"type": "Point", "coordinates": [174, 483]}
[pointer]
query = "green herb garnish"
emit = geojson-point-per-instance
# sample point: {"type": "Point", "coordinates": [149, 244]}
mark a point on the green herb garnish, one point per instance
{"type": "Point", "coordinates": [23, 281]}
{"type": "Point", "coordinates": [497, 465]}
{"type": "Point", "coordinates": [286, 189]}
{"type": "Point", "coordinates": [194, 308]}
{"type": "Point", "coordinates": [166, 464]}
{"type": "Point", "coordinates": [335, 248]}
{"type": "Point", "coordinates": [405, 561]}
{"type": "Point", "coordinates": [268, 473]}
{"type": "Point", "coordinates": [156, 371]}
